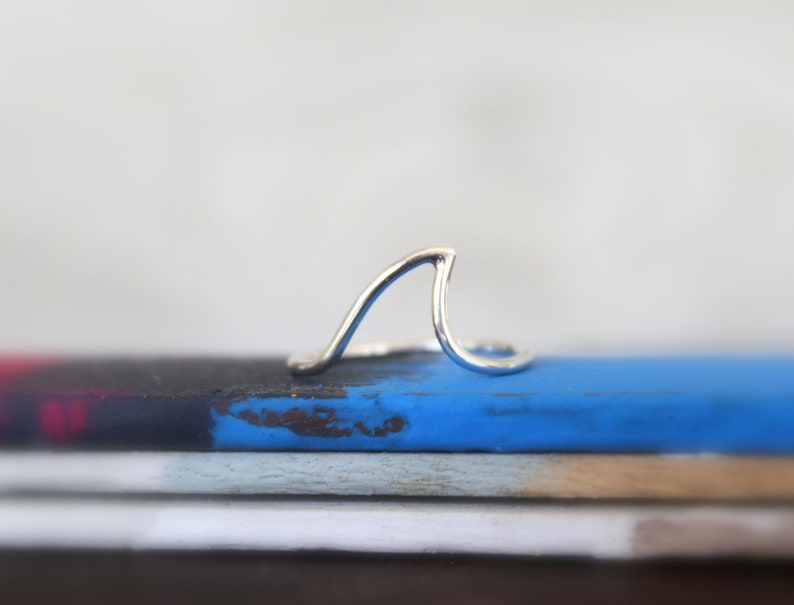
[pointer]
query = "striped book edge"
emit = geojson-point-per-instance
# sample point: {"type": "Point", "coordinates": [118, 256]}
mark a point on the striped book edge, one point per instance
{"type": "Point", "coordinates": [565, 476]}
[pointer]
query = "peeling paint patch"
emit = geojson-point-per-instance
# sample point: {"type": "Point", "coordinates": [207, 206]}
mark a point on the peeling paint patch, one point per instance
{"type": "Point", "coordinates": [391, 425]}
{"type": "Point", "coordinates": [277, 422]}
{"type": "Point", "coordinates": [318, 421]}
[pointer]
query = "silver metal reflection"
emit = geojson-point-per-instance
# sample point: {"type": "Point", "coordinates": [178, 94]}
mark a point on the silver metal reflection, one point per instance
{"type": "Point", "coordinates": [510, 358]}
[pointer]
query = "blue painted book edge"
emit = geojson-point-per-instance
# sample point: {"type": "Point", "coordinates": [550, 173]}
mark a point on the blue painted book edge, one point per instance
{"type": "Point", "coordinates": [420, 402]}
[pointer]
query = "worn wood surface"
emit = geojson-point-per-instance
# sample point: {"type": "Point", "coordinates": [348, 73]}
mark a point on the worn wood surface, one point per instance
{"type": "Point", "coordinates": [606, 531]}
{"type": "Point", "coordinates": [77, 578]}
{"type": "Point", "coordinates": [594, 476]}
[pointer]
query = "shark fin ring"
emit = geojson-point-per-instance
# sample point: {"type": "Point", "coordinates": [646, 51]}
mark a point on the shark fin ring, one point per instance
{"type": "Point", "coordinates": [508, 358]}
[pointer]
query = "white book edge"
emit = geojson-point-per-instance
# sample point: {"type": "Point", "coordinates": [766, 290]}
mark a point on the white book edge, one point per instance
{"type": "Point", "coordinates": [606, 532]}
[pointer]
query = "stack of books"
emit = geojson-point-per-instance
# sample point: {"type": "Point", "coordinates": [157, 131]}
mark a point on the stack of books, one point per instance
{"type": "Point", "coordinates": [596, 457]}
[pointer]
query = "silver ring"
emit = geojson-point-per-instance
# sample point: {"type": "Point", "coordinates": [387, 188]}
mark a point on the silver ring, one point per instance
{"type": "Point", "coordinates": [510, 359]}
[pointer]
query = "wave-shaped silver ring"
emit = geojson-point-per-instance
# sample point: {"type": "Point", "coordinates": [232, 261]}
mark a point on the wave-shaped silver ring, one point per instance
{"type": "Point", "coordinates": [508, 358]}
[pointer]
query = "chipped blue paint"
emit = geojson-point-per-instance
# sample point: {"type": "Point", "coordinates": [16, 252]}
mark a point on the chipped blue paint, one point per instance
{"type": "Point", "coordinates": [559, 405]}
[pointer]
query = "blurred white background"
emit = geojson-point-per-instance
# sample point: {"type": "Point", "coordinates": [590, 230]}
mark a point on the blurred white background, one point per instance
{"type": "Point", "coordinates": [224, 177]}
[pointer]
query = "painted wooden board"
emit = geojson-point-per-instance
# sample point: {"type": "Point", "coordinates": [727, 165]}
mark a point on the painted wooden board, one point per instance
{"type": "Point", "coordinates": [609, 531]}
{"type": "Point", "coordinates": [569, 476]}
{"type": "Point", "coordinates": [416, 403]}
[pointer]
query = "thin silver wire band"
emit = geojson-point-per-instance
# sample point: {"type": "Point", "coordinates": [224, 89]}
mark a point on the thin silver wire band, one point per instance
{"type": "Point", "coordinates": [516, 359]}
